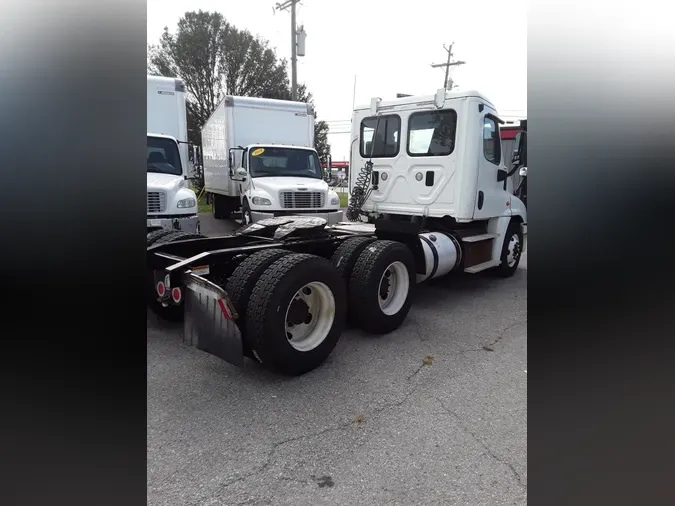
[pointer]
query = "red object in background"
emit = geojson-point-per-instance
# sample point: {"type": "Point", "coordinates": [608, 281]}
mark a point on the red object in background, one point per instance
{"type": "Point", "coordinates": [337, 165]}
{"type": "Point", "coordinates": [509, 132]}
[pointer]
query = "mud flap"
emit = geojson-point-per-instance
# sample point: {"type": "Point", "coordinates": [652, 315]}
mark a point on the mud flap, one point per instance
{"type": "Point", "coordinates": [210, 320]}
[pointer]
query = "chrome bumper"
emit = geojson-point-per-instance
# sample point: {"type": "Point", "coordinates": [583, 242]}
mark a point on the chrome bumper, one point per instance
{"type": "Point", "coordinates": [188, 224]}
{"type": "Point", "coordinates": [331, 217]}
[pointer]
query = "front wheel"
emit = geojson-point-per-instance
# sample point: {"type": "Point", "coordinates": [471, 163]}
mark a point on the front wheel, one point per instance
{"type": "Point", "coordinates": [296, 313]}
{"type": "Point", "coordinates": [511, 252]}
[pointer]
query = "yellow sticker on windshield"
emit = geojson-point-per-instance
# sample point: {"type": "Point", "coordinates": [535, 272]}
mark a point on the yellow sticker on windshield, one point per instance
{"type": "Point", "coordinates": [258, 151]}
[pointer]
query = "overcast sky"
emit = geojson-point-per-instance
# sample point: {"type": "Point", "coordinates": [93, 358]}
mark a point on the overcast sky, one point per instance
{"type": "Point", "coordinates": [389, 49]}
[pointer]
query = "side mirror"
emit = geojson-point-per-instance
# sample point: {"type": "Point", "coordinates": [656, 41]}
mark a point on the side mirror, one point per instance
{"type": "Point", "coordinates": [230, 160]}
{"type": "Point", "coordinates": [501, 175]}
{"type": "Point", "coordinates": [523, 172]}
{"type": "Point", "coordinates": [241, 172]}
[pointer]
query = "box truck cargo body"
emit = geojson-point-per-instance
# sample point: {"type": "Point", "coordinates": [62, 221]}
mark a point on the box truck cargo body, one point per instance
{"type": "Point", "coordinates": [257, 154]}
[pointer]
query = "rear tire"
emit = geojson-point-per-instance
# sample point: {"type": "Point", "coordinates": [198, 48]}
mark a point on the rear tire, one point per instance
{"type": "Point", "coordinates": [220, 207]}
{"type": "Point", "coordinates": [155, 235]}
{"type": "Point", "coordinates": [241, 283]}
{"type": "Point", "coordinates": [296, 313]}
{"type": "Point", "coordinates": [345, 258]}
{"type": "Point", "coordinates": [381, 286]}
{"type": "Point", "coordinates": [179, 236]}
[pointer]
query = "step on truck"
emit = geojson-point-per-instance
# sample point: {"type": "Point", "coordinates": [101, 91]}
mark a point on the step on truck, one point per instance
{"type": "Point", "coordinates": [427, 197]}
{"type": "Point", "coordinates": [258, 157]}
{"type": "Point", "coordinates": [171, 203]}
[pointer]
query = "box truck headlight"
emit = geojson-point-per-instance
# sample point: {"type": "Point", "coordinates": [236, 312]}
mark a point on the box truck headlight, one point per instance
{"type": "Point", "coordinates": [335, 201]}
{"type": "Point", "coordinates": [261, 201]}
{"type": "Point", "coordinates": [186, 203]}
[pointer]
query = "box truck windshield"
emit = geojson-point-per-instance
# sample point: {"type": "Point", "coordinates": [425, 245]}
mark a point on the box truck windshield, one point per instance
{"type": "Point", "coordinates": [280, 162]}
{"type": "Point", "coordinates": [163, 156]}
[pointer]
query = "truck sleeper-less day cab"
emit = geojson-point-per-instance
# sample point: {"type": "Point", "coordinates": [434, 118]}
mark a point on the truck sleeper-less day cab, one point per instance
{"type": "Point", "coordinates": [427, 197]}
{"type": "Point", "coordinates": [171, 204]}
{"type": "Point", "coordinates": [259, 156]}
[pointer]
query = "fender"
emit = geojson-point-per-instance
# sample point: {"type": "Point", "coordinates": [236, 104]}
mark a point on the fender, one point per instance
{"type": "Point", "coordinates": [519, 209]}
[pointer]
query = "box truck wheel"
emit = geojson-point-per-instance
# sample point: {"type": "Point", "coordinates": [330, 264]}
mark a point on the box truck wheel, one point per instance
{"type": "Point", "coordinates": [155, 235]}
{"type": "Point", "coordinates": [296, 313]}
{"type": "Point", "coordinates": [345, 257]}
{"type": "Point", "coordinates": [381, 286]}
{"type": "Point", "coordinates": [511, 251]}
{"type": "Point", "coordinates": [221, 208]}
{"type": "Point", "coordinates": [170, 313]}
{"type": "Point", "coordinates": [241, 283]}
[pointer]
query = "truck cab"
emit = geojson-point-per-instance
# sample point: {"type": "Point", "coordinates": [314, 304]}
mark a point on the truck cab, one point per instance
{"type": "Point", "coordinates": [278, 180]}
{"type": "Point", "coordinates": [259, 155]}
{"type": "Point", "coordinates": [171, 203]}
{"type": "Point", "coordinates": [433, 156]}
{"type": "Point", "coordinates": [436, 163]}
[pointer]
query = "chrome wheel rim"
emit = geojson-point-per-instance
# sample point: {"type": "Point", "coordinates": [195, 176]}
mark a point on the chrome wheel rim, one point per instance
{"type": "Point", "coordinates": [513, 250]}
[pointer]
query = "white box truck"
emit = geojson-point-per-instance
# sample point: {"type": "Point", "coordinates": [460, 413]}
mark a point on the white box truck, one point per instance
{"type": "Point", "coordinates": [171, 204]}
{"type": "Point", "coordinates": [258, 155]}
{"type": "Point", "coordinates": [426, 173]}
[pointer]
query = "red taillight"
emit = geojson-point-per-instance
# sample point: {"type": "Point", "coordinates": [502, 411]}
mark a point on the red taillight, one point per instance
{"type": "Point", "coordinates": [161, 289]}
{"type": "Point", "coordinates": [176, 295]}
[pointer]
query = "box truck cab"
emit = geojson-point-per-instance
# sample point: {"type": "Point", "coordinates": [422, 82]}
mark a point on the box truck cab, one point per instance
{"type": "Point", "coordinates": [258, 155]}
{"type": "Point", "coordinates": [171, 204]}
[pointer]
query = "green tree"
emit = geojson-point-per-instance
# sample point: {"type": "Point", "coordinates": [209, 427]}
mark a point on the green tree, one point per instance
{"type": "Point", "coordinates": [214, 58]}
{"type": "Point", "coordinates": [320, 127]}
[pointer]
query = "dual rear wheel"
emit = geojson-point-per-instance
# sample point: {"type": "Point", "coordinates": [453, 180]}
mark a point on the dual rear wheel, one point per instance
{"type": "Point", "coordinates": [380, 276]}
{"type": "Point", "coordinates": [293, 307]}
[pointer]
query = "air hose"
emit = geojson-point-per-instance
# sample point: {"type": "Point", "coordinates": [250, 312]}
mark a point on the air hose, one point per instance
{"type": "Point", "coordinates": [362, 190]}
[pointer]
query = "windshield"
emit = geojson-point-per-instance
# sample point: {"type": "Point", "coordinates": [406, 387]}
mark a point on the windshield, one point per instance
{"type": "Point", "coordinates": [280, 162]}
{"type": "Point", "coordinates": [163, 156]}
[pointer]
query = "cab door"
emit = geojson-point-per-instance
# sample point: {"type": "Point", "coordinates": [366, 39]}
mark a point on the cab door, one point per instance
{"type": "Point", "coordinates": [491, 198]}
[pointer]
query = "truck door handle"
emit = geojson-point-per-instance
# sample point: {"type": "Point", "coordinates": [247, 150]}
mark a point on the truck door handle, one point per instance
{"type": "Point", "coordinates": [481, 197]}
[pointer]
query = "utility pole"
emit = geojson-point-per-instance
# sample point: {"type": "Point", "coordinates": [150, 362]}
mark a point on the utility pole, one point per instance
{"type": "Point", "coordinates": [294, 57]}
{"type": "Point", "coordinates": [447, 66]}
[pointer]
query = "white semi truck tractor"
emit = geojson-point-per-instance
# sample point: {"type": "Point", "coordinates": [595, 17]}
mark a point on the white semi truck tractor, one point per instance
{"type": "Point", "coordinates": [259, 156]}
{"type": "Point", "coordinates": [171, 203]}
{"type": "Point", "coordinates": [427, 197]}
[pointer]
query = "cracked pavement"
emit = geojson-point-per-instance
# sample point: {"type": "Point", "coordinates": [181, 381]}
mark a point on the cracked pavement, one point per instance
{"type": "Point", "coordinates": [434, 413]}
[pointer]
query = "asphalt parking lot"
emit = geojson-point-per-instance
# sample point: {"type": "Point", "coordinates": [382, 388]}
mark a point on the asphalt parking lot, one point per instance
{"type": "Point", "coordinates": [434, 413]}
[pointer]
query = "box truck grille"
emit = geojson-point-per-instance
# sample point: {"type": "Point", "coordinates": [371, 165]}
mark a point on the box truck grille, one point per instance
{"type": "Point", "coordinates": [156, 202]}
{"type": "Point", "coordinates": [301, 200]}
